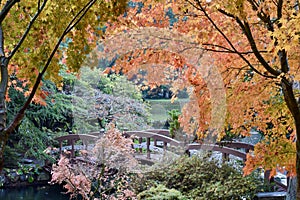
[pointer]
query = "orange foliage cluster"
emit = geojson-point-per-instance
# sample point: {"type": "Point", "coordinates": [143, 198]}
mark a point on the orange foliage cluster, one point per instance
{"type": "Point", "coordinates": [39, 97]}
{"type": "Point", "coordinates": [210, 33]}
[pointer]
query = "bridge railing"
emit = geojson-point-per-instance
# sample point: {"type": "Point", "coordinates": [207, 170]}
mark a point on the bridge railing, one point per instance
{"type": "Point", "coordinates": [73, 138]}
{"type": "Point", "coordinates": [163, 136]}
{"type": "Point", "coordinates": [140, 135]}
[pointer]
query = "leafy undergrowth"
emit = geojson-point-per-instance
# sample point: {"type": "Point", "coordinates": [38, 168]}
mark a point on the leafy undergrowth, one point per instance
{"type": "Point", "coordinates": [197, 178]}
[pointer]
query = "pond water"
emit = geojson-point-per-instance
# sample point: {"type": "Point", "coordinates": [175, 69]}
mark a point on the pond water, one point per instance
{"type": "Point", "coordinates": [48, 192]}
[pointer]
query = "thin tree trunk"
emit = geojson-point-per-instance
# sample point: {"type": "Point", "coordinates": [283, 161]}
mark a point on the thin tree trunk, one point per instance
{"type": "Point", "coordinates": [3, 111]}
{"type": "Point", "coordinates": [292, 104]}
{"type": "Point", "coordinates": [297, 161]}
{"type": "Point", "coordinates": [291, 193]}
{"type": "Point", "coordinates": [3, 141]}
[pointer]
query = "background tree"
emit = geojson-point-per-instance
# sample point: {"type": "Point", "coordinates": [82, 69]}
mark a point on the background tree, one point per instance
{"type": "Point", "coordinates": [255, 45]}
{"type": "Point", "coordinates": [31, 36]}
{"type": "Point", "coordinates": [100, 99]}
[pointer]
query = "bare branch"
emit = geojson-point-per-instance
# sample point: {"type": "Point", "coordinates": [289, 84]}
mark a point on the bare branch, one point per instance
{"type": "Point", "coordinates": [33, 19]}
{"type": "Point", "coordinates": [39, 4]}
{"type": "Point", "coordinates": [279, 9]}
{"type": "Point", "coordinates": [76, 19]}
{"type": "Point", "coordinates": [227, 50]}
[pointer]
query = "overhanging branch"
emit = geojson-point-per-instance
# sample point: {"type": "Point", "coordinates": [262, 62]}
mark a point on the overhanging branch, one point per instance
{"type": "Point", "coordinates": [1, 42]}
{"type": "Point", "coordinates": [227, 50]}
{"type": "Point", "coordinates": [33, 19]}
{"type": "Point", "coordinates": [9, 4]}
{"type": "Point", "coordinates": [200, 7]}
{"type": "Point", "coordinates": [246, 28]}
{"type": "Point", "coordinates": [76, 19]}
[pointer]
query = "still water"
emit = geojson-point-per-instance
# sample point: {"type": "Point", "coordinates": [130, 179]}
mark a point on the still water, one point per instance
{"type": "Point", "coordinates": [48, 192]}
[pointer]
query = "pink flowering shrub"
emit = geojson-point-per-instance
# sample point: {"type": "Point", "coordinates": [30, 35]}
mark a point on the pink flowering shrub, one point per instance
{"type": "Point", "coordinates": [102, 173]}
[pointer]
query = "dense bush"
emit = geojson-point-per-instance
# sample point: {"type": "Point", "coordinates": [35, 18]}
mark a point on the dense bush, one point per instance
{"type": "Point", "coordinates": [160, 192]}
{"type": "Point", "coordinates": [40, 124]}
{"type": "Point", "coordinates": [199, 178]}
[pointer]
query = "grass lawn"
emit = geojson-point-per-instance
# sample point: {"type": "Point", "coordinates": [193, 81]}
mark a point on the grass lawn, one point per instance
{"type": "Point", "coordinates": [160, 107]}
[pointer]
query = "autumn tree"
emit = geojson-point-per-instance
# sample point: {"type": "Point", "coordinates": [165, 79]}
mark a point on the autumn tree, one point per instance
{"type": "Point", "coordinates": [36, 36]}
{"type": "Point", "coordinates": [254, 45]}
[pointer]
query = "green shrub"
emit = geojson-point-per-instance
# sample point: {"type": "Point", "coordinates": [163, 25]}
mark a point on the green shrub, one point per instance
{"type": "Point", "coordinates": [200, 178]}
{"type": "Point", "coordinates": [160, 192]}
{"type": "Point", "coordinates": [173, 121]}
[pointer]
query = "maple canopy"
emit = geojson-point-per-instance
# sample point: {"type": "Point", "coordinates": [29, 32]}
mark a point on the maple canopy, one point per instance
{"type": "Point", "coordinates": [38, 38]}
{"type": "Point", "coordinates": [32, 30]}
{"type": "Point", "coordinates": [252, 45]}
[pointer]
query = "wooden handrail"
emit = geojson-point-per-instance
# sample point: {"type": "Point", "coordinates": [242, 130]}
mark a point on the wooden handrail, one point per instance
{"type": "Point", "coordinates": [238, 145]}
{"type": "Point", "coordinates": [164, 132]}
{"type": "Point", "coordinates": [213, 147]}
{"type": "Point", "coordinates": [145, 134]}
{"type": "Point", "coordinates": [76, 137]}
{"type": "Point", "coordinates": [72, 138]}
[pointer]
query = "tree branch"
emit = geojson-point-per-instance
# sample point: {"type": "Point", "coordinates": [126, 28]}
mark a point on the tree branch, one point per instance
{"type": "Point", "coordinates": [9, 4]}
{"type": "Point", "coordinates": [3, 66]}
{"type": "Point", "coordinates": [279, 9]}
{"type": "Point", "coordinates": [228, 41]}
{"type": "Point", "coordinates": [76, 19]}
{"type": "Point", "coordinates": [1, 42]}
{"type": "Point", "coordinates": [263, 16]}
{"type": "Point", "coordinates": [4, 75]}
{"type": "Point", "coordinates": [246, 28]}
{"type": "Point", "coordinates": [290, 99]}
{"type": "Point", "coordinates": [33, 19]}
{"type": "Point", "coordinates": [227, 50]}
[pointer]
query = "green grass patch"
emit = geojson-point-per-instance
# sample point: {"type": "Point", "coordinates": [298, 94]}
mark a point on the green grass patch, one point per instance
{"type": "Point", "coordinates": [160, 107]}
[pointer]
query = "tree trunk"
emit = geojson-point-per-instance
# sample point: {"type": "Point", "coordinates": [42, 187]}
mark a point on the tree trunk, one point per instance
{"type": "Point", "coordinates": [2, 148]}
{"type": "Point", "coordinates": [3, 134]}
{"type": "Point", "coordinates": [291, 193]}
{"type": "Point", "coordinates": [3, 89]}
{"type": "Point", "coordinates": [297, 161]}
{"type": "Point", "coordinates": [292, 104]}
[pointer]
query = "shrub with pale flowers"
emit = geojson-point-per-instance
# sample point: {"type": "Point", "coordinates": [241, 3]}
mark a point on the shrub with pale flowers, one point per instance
{"type": "Point", "coordinates": [103, 174]}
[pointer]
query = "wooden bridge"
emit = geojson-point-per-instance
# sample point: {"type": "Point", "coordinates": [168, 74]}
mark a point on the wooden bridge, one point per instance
{"type": "Point", "coordinates": [150, 144]}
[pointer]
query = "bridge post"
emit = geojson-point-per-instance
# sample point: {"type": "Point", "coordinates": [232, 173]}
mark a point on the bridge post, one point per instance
{"type": "Point", "coordinates": [225, 157]}
{"type": "Point", "coordinates": [72, 150]}
{"type": "Point", "coordinates": [148, 148]}
{"type": "Point", "coordinates": [165, 145]}
{"type": "Point", "coordinates": [140, 142]}
{"type": "Point", "coordinates": [60, 148]}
